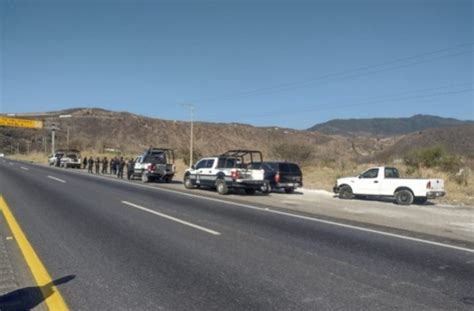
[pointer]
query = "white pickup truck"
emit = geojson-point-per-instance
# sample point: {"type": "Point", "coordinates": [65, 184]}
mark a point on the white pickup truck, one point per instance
{"type": "Point", "coordinates": [231, 170]}
{"type": "Point", "coordinates": [386, 182]}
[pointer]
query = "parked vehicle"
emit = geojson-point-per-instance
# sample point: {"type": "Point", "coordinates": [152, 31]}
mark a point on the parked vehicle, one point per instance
{"type": "Point", "coordinates": [386, 182]}
{"type": "Point", "coordinates": [280, 175]}
{"type": "Point", "coordinates": [70, 158]}
{"type": "Point", "coordinates": [231, 170]}
{"type": "Point", "coordinates": [55, 158]}
{"type": "Point", "coordinates": [155, 164]}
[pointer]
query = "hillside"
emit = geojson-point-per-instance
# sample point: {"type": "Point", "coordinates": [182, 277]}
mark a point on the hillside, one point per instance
{"type": "Point", "coordinates": [385, 126]}
{"type": "Point", "coordinates": [97, 129]}
{"type": "Point", "coordinates": [456, 140]}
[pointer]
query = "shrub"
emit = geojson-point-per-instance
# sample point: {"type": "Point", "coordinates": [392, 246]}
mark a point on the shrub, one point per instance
{"type": "Point", "coordinates": [432, 157]}
{"type": "Point", "coordinates": [299, 153]}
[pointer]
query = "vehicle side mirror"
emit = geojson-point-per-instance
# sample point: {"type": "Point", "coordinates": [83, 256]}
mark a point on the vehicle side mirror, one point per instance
{"type": "Point", "coordinates": [360, 176]}
{"type": "Point", "coordinates": [193, 167]}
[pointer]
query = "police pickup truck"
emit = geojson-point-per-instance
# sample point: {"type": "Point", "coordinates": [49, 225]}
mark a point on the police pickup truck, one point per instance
{"type": "Point", "coordinates": [386, 182]}
{"type": "Point", "coordinates": [231, 170]}
{"type": "Point", "coordinates": [155, 164]}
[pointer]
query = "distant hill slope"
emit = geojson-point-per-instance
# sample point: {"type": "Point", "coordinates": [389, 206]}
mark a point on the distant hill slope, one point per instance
{"type": "Point", "coordinates": [456, 140]}
{"type": "Point", "coordinates": [385, 126]}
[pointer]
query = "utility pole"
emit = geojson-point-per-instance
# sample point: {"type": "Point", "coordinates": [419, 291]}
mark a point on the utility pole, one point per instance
{"type": "Point", "coordinates": [28, 147]}
{"type": "Point", "coordinates": [67, 138]}
{"type": "Point", "coordinates": [53, 138]}
{"type": "Point", "coordinates": [191, 109]}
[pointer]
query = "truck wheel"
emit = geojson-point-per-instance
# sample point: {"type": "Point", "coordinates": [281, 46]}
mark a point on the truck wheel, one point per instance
{"type": "Point", "coordinates": [168, 179]}
{"type": "Point", "coordinates": [289, 190]}
{"type": "Point", "coordinates": [188, 184]}
{"type": "Point", "coordinates": [404, 197]}
{"type": "Point", "coordinates": [266, 187]}
{"type": "Point", "coordinates": [345, 192]}
{"type": "Point", "coordinates": [145, 178]}
{"type": "Point", "coordinates": [250, 191]}
{"type": "Point", "coordinates": [420, 200]}
{"type": "Point", "coordinates": [221, 187]}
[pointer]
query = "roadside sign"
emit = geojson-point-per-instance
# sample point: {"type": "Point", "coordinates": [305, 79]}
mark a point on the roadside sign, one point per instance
{"type": "Point", "coordinates": [13, 122]}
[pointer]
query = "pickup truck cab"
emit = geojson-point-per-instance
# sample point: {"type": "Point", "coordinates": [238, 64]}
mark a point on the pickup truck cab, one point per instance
{"type": "Point", "coordinates": [155, 164]}
{"type": "Point", "coordinates": [231, 170]}
{"type": "Point", "coordinates": [386, 182]}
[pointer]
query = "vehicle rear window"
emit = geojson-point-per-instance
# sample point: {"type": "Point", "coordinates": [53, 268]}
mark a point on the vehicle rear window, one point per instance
{"type": "Point", "coordinates": [285, 168]}
{"type": "Point", "coordinates": [295, 169]}
{"type": "Point", "coordinates": [391, 172]}
{"type": "Point", "coordinates": [158, 158]}
{"type": "Point", "coordinates": [226, 163]}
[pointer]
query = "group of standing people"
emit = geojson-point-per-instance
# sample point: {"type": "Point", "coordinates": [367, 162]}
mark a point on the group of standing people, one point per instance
{"type": "Point", "coordinates": [116, 166]}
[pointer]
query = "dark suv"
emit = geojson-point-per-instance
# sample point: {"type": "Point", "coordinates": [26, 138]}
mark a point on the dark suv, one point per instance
{"type": "Point", "coordinates": [280, 175]}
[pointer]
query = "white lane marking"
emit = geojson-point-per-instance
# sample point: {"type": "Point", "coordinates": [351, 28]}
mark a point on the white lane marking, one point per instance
{"type": "Point", "coordinates": [171, 218]}
{"type": "Point", "coordinates": [11, 163]}
{"type": "Point", "coordinates": [266, 209]}
{"type": "Point", "coordinates": [57, 179]}
{"type": "Point", "coordinates": [399, 236]}
{"type": "Point", "coordinates": [25, 168]}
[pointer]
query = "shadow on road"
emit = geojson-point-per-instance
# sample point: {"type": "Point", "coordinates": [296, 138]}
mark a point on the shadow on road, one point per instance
{"type": "Point", "coordinates": [29, 297]}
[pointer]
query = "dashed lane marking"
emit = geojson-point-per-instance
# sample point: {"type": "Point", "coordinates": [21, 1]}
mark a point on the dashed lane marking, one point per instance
{"type": "Point", "coordinates": [57, 179]}
{"type": "Point", "coordinates": [172, 218]}
{"type": "Point", "coordinates": [25, 168]}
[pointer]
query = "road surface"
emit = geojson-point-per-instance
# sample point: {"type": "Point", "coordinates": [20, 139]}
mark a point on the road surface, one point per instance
{"type": "Point", "coordinates": [136, 247]}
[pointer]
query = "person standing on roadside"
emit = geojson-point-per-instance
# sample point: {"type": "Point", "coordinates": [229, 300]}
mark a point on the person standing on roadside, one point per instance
{"type": "Point", "coordinates": [112, 165]}
{"type": "Point", "coordinates": [97, 165]}
{"type": "Point", "coordinates": [84, 163]}
{"type": "Point", "coordinates": [90, 164]}
{"type": "Point", "coordinates": [105, 164]}
{"type": "Point", "coordinates": [120, 167]}
{"type": "Point", "coordinates": [130, 166]}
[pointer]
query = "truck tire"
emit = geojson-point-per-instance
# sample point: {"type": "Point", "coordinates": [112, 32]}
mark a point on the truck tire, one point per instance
{"type": "Point", "coordinates": [289, 190]}
{"type": "Point", "coordinates": [266, 187]}
{"type": "Point", "coordinates": [188, 184]}
{"type": "Point", "coordinates": [145, 178]}
{"type": "Point", "coordinates": [404, 197]}
{"type": "Point", "coordinates": [221, 187]}
{"type": "Point", "coordinates": [345, 193]}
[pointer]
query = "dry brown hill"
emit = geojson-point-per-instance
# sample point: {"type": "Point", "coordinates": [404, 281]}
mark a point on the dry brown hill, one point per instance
{"type": "Point", "coordinates": [97, 129]}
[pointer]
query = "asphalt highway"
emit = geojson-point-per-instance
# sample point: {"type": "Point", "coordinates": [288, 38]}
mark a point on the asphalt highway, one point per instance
{"type": "Point", "coordinates": [132, 247]}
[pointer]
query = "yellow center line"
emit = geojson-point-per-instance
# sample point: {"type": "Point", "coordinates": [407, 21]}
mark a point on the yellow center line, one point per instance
{"type": "Point", "coordinates": [51, 294]}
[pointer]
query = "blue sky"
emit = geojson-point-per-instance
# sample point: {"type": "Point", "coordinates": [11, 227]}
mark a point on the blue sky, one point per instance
{"type": "Point", "coordinates": [285, 63]}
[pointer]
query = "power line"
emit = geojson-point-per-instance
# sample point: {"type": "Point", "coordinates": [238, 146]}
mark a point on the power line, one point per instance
{"type": "Point", "coordinates": [369, 101]}
{"type": "Point", "coordinates": [346, 74]}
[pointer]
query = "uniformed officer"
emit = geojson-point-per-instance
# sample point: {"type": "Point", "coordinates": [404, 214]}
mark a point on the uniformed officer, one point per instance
{"type": "Point", "coordinates": [90, 164]}
{"type": "Point", "coordinates": [105, 165]}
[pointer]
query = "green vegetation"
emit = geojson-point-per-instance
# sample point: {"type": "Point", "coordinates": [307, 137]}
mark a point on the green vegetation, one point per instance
{"type": "Point", "coordinates": [433, 157]}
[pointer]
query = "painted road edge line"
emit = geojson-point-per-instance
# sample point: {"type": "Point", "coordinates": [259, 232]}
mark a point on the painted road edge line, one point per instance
{"type": "Point", "coordinates": [57, 179]}
{"type": "Point", "coordinates": [25, 168]}
{"type": "Point", "coordinates": [51, 294]}
{"type": "Point", "coordinates": [265, 209]}
{"type": "Point", "coordinates": [172, 218]}
{"type": "Point", "coordinates": [333, 223]}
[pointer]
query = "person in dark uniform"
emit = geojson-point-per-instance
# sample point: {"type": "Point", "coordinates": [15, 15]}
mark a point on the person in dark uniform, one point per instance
{"type": "Point", "coordinates": [97, 165]}
{"type": "Point", "coordinates": [120, 167]}
{"type": "Point", "coordinates": [105, 164]}
{"type": "Point", "coordinates": [130, 166]}
{"type": "Point", "coordinates": [112, 165]}
{"type": "Point", "coordinates": [84, 163]}
{"type": "Point", "coordinates": [90, 164]}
